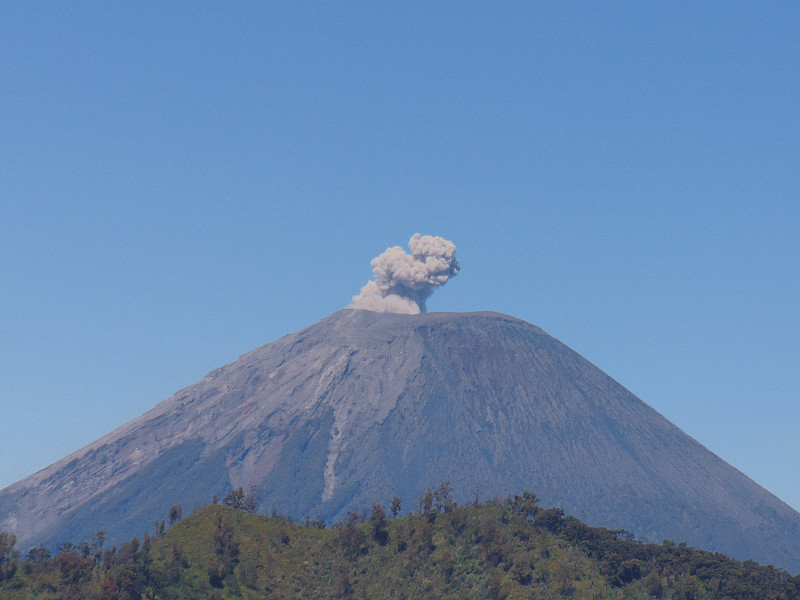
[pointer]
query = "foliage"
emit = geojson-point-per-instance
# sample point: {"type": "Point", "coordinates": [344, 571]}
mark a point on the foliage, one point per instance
{"type": "Point", "coordinates": [9, 555]}
{"type": "Point", "coordinates": [509, 548]}
{"type": "Point", "coordinates": [239, 500]}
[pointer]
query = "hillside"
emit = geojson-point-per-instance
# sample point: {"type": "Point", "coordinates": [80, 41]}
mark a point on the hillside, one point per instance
{"type": "Point", "coordinates": [364, 406]}
{"type": "Point", "coordinates": [503, 549]}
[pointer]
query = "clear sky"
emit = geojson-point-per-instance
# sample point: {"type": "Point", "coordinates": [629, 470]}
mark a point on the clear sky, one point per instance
{"type": "Point", "coordinates": [183, 182]}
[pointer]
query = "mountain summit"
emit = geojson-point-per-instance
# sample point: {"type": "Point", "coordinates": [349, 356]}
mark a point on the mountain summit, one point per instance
{"type": "Point", "coordinates": [364, 406]}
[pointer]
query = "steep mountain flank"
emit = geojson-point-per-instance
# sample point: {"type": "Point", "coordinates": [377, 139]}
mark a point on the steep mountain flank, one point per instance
{"type": "Point", "coordinates": [364, 406]}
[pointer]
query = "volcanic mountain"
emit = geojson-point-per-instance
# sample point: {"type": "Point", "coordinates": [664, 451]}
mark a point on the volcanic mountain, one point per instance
{"type": "Point", "coordinates": [365, 406]}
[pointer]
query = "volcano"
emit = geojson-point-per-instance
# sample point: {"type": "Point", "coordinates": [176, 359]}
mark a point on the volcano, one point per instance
{"type": "Point", "coordinates": [365, 406]}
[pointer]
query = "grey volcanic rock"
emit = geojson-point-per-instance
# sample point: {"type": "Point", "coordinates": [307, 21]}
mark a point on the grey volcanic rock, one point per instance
{"type": "Point", "coordinates": [364, 406]}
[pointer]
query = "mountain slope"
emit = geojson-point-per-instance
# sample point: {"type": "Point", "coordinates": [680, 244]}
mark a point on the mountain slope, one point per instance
{"type": "Point", "coordinates": [363, 406]}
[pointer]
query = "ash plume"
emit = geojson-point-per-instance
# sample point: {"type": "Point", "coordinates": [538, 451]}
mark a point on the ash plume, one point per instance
{"type": "Point", "coordinates": [403, 281]}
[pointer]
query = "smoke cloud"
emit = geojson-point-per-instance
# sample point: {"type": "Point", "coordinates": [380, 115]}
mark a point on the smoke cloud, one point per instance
{"type": "Point", "coordinates": [403, 282]}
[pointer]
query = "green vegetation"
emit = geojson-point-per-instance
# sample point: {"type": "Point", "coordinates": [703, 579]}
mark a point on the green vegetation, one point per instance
{"type": "Point", "coordinates": [503, 549]}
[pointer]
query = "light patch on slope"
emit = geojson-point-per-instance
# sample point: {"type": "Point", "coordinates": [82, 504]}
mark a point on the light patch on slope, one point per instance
{"type": "Point", "coordinates": [340, 418]}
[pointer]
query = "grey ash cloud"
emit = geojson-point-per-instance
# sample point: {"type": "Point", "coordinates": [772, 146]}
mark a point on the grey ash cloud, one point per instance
{"type": "Point", "coordinates": [403, 281]}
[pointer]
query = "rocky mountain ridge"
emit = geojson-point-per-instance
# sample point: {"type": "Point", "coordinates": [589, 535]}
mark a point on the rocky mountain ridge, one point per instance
{"type": "Point", "coordinates": [364, 406]}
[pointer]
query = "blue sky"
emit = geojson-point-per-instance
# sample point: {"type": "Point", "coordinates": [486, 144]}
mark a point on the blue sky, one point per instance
{"type": "Point", "coordinates": [183, 182]}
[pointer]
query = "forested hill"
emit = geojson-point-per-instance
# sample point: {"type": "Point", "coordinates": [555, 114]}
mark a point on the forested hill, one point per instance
{"type": "Point", "coordinates": [503, 549]}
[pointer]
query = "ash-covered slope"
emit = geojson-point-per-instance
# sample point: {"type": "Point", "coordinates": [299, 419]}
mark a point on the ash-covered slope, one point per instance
{"type": "Point", "coordinates": [364, 406]}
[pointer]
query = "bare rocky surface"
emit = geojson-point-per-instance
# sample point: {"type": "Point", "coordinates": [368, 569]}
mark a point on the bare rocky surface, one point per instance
{"type": "Point", "coordinates": [364, 406]}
